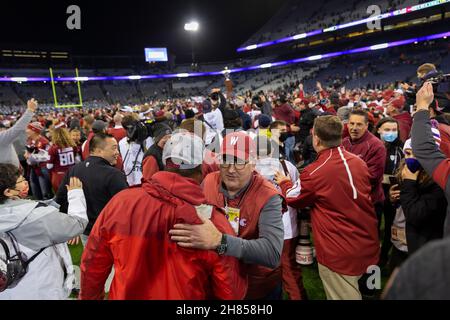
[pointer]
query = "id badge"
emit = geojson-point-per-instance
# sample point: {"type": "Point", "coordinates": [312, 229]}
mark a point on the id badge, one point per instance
{"type": "Point", "coordinates": [398, 234]}
{"type": "Point", "coordinates": [233, 215]}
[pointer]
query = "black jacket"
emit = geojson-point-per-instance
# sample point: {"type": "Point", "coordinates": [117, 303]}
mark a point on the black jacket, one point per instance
{"type": "Point", "coordinates": [306, 123]}
{"type": "Point", "coordinates": [394, 154]}
{"type": "Point", "coordinates": [101, 182]}
{"type": "Point", "coordinates": [425, 210]}
{"type": "Point", "coordinates": [308, 152]}
{"type": "Point", "coordinates": [266, 108]}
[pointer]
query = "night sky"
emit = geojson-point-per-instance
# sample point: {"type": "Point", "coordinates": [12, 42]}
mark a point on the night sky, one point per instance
{"type": "Point", "coordinates": [126, 27]}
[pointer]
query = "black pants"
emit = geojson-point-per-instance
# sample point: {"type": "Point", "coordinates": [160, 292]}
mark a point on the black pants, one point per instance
{"type": "Point", "coordinates": [396, 259]}
{"type": "Point", "coordinates": [389, 214]}
{"type": "Point", "coordinates": [388, 211]}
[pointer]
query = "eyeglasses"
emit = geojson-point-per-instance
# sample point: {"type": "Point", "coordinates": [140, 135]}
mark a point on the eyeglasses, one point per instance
{"type": "Point", "coordinates": [237, 166]}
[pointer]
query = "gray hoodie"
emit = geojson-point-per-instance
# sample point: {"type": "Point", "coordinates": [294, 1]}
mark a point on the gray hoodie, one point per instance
{"type": "Point", "coordinates": [35, 226]}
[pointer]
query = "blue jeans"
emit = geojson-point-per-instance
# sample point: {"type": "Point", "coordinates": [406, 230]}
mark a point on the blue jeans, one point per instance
{"type": "Point", "coordinates": [40, 185]}
{"type": "Point", "coordinates": [289, 145]}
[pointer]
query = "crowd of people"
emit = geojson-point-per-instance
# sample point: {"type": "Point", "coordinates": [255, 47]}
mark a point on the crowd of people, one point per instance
{"type": "Point", "coordinates": [184, 199]}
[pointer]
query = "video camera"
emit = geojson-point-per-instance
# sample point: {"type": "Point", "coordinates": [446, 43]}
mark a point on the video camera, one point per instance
{"type": "Point", "coordinates": [214, 96]}
{"type": "Point", "coordinates": [139, 130]}
{"type": "Point", "coordinates": [440, 82]}
{"type": "Point", "coordinates": [441, 90]}
{"type": "Point", "coordinates": [32, 149]}
{"type": "Point", "coordinates": [257, 101]}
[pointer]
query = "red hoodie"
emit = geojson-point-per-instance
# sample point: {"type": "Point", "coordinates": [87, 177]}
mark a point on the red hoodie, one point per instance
{"type": "Point", "coordinates": [284, 112]}
{"type": "Point", "coordinates": [336, 187]}
{"type": "Point", "coordinates": [132, 233]}
{"type": "Point", "coordinates": [405, 123]}
{"type": "Point", "coordinates": [370, 149]}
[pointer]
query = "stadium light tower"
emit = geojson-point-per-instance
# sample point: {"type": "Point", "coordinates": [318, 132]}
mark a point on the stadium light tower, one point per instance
{"type": "Point", "coordinates": [192, 28]}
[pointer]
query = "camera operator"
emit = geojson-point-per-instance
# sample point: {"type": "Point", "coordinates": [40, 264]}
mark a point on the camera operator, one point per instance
{"type": "Point", "coordinates": [428, 72]}
{"type": "Point", "coordinates": [133, 147]}
{"type": "Point", "coordinates": [261, 102]}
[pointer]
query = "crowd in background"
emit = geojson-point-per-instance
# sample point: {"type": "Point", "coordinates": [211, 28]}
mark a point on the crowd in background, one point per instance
{"type": "Point", "coordinates": [345, 157]}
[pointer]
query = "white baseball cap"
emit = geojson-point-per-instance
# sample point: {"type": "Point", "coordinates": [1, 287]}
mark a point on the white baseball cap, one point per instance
{"type": "Point", "coordinates": [185, 150]}
{"type": "Point", "coordinates": [126, 109]}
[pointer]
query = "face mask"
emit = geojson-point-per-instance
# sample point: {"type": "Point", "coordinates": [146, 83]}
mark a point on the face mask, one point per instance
{"type": "Point", "coordinates": [389, 136]}
{"type": "Point", "coordinates": [413, 165]}
{"type": "Point", "coordinates": [283, 136]}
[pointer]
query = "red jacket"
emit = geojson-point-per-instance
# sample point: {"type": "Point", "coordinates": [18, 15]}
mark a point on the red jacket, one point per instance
{"type": "Point", "coordinates": [132, 233]}
{"type": "Point", "coordinates": [370, 149]}
{"type": "Point", "coordinates": [284, 112]}
{"type": "Point", "coordinates": [337, 188]}
{"type": "Point", "coordinates": [405, 123]}
{"type": "Point", "coordinates": [118, 133]}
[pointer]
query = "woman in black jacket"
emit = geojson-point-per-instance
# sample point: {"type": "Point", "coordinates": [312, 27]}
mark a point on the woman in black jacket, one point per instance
{"type": "Point", "coordinates": [423, 202]}
{"type": "Point", "coordinates": [387, 130]}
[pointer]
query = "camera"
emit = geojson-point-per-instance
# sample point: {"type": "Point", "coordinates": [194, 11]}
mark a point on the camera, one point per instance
{"type": "Point", "coordinates": [32, 149]}
{"type": "Point", "coordinates": [137, 131]}
{"type": "Point", "coordinates": [440, 82]}
{"type": "Point", "coordinates": [257, 100]}
{"type": "Point", "coordinates": [214, 96]}
{"type": "Point", "coordinates": [441, 90]}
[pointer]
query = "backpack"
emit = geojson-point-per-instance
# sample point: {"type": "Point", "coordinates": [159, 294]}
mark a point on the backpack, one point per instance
{"type": "Point", "coordinates": [12, 267]}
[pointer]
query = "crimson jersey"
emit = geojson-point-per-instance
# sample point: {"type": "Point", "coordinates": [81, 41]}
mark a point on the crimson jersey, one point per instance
{"type": "Point", "coordinates": [61, 159]}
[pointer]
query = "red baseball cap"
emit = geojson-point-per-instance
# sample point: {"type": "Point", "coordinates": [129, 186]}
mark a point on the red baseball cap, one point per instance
{"type": "Point", "coordinates": [239, 145]}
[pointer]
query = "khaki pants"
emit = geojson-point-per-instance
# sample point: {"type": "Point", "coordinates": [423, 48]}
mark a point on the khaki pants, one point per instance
{"type": "Point", "coordinates": [338, 286]}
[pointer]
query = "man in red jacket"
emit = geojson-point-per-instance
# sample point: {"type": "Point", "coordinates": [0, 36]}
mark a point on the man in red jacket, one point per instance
{"type": "Point", "coordinates": [337, 188]}
{"type": "Point", "coordinates": [370, 149]}
{"type": "Point", "coordinates": [118, 131]}
{"type": "Point", "coordinates": [131, 233]}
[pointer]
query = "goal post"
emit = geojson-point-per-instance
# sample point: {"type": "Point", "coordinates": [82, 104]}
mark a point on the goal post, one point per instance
{"type": "Point", "coordinates": [55, 96]}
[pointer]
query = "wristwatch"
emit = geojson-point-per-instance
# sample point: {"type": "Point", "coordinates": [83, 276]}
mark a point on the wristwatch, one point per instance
{"type": "Point", "coordinates": [222, 248]}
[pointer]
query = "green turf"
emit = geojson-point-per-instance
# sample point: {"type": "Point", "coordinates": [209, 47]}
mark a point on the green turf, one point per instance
{"type": "Point", "coordinates": [312, 283]}
{"type": "Point", "coordinates": [76, 252]}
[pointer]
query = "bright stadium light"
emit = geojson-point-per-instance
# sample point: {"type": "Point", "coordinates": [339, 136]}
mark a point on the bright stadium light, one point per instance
{"type": "Point", "coordinates": [135, 77]}
{"type": "Point", "coordinates": [19, 79]}
{"type": "Point", "coordinates": [191, 26]}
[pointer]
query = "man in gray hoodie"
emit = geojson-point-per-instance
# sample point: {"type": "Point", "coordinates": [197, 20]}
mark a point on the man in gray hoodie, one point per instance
{"type": "Point", "coordinates": [8, 153]}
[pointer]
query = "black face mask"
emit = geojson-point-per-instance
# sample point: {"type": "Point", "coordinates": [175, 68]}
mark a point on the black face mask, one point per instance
{"type": "Point", "coordinates": [283, 136]}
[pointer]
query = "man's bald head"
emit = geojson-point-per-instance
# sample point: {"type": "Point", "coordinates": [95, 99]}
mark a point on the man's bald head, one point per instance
{"type": "Point", "coordinates": [118, 119]}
